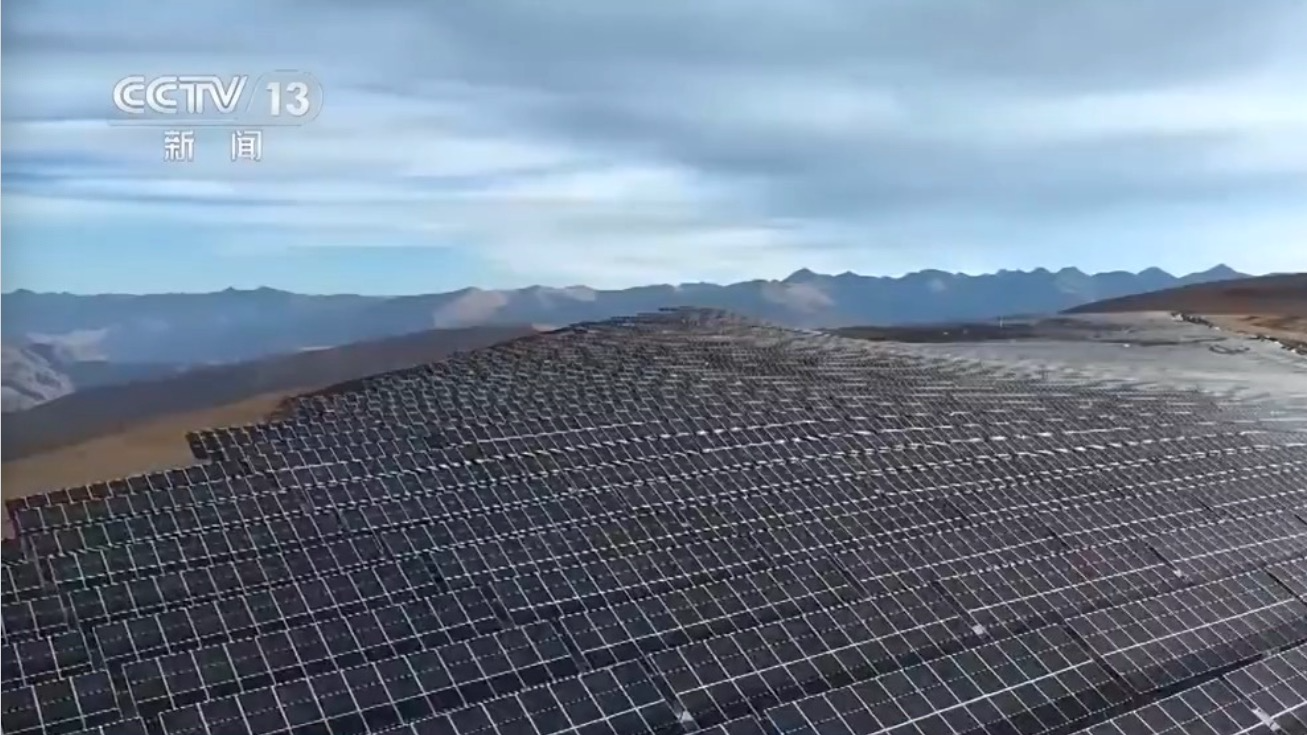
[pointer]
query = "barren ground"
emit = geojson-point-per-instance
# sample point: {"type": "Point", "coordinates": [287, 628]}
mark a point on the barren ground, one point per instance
{"type": "Point", "coordinates": [158, 444]}
{"type": "Point", "coordinates": [1280, 327]}
{"type": "Point", "coordinates": [1143, 350]}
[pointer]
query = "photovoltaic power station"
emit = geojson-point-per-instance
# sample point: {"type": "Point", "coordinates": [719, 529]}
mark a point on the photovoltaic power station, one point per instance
{"type": "Point", "coordinates": [676, 523]}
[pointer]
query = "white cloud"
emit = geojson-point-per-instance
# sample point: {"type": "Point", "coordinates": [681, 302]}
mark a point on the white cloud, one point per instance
{"type": "Point", "coordinates": [1245, 108]}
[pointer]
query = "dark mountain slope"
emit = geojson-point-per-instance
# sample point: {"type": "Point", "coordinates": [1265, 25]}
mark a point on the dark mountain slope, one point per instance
{"type": "Point", "coordinates": [1280, 295]}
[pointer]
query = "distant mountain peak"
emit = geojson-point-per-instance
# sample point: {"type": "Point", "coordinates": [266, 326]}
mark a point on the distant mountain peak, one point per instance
{"type": "Point", "coordinates": [928, 274]}
{"type": "Point", "coordinates": [260, 290]}
{"type": "Point", "coordinates": [802, 274]}
{"type": "Point", "coordinates": [1221, 270]}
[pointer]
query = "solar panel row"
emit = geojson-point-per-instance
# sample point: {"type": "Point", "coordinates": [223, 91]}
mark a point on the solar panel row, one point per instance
{"type": "Point", "coordinates": [337, 575]}
{"type": "Point", "coordinates": [1035, 682]}
{"type": "Point", "coordinates": [1268, 696]}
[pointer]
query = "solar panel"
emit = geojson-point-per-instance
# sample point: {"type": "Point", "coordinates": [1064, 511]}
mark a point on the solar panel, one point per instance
{"type": "Point", "coordinates": [42, 659]}
{"type": "Point", "coordinates": [677, 523]}
{"type": "Point", "coordinates": [10, 550]}
{"type": "Point", "coordinates": [627, 630]}
{"type": "Point", "coordinates": [1277, 688]}
{"type": "Point", "coordinates": [161, 683]}
{"type": "Point", "coordinates": [24, 619]}
{"type": "Point", "coordinates": [311, 601]}
{"type": "Point", "coordinates": [741, 726]}
{"type": "Point", "coordinates": [19, 579]}
{"type": "Point", "coordinates": [130, 726]}
{"type": "Point", "coordinates": [1229, 547]}
{"type": "Point", "coordinates": [611, 701]}
{"type": "Point", "coordinates": [1049, 589]}
{"type": "Point", "coordinates": [61, 705]}
{"type": "Point", "coordinates": [1293, 575]}
{"type": "Point", "coordinates": [384, 693]}
{"type": "Point", "coordinates": [730, 675]}
{"type": "Point", "coordinates": [1208, 709]}
{"type": "Point", "coordinates": [1035, 682]}
{"type": "Point", "coordinates": [1159, 641]}
{"type": "Point", "coordinates": [1267, 696]}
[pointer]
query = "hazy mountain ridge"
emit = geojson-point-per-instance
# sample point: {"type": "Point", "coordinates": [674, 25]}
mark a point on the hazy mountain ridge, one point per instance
{"type": "Point", "coordinates": [103, 409]}
{"type": "Point", "coordinates": [234, 325]}
{"type": "Point", "coordinates": [30, 379]}
{"type": "Point", "coordinates": [38, 372]}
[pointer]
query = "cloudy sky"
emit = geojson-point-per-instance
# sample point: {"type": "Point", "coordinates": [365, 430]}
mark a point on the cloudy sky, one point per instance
{"type": "Point", "coordinates": [501, 143]}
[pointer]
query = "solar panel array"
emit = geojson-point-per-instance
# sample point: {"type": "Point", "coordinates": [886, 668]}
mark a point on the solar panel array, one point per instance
{"type": "Point", "coordinates": [681, 522]}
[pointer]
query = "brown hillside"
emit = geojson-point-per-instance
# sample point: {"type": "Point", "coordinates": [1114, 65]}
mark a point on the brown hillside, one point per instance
{"type": "Point", "coordinates": [1280, 295]}
{"type": "Point", "coordinates": [157, 444]}
{"type": "Point", "coordinates": [102, 412]}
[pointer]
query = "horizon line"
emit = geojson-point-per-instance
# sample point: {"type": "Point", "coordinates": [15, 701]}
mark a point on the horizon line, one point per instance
{"type": "Point", "coordinates": [804, 271]}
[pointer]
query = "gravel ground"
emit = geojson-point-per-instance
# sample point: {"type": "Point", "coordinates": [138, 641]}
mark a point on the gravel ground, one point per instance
{"type": "Point", "coordinates": [1142, 351]}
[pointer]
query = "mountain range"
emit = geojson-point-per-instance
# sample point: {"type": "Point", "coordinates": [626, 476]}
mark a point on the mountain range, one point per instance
{"type": "Point", "coordinates": [39, 372]}
{"type": "Point", "coordinates": [185, 330]}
